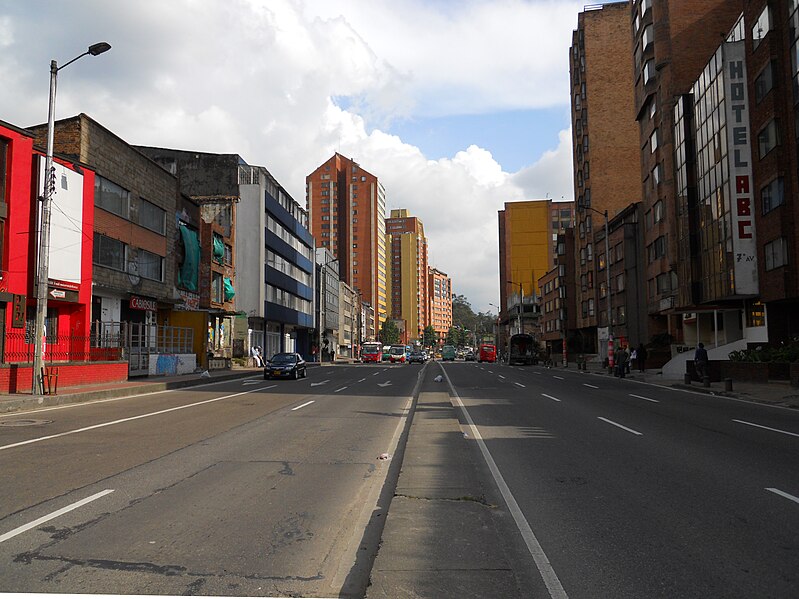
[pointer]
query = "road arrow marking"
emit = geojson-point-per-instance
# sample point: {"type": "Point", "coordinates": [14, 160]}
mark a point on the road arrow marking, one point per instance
{"type": "Point", "coordinates": [386, 384]}
{"type": "Point", "coordinates": [320, 383]}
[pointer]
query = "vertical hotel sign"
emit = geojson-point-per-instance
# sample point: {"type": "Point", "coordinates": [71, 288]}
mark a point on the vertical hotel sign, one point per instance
{"type": "Point", "coordinates": [739, 141]}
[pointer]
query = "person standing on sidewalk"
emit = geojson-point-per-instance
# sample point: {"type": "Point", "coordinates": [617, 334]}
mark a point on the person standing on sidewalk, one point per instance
{"type": "Point", "coordinates": [700, 361]}
{"type": "Point", "coordinates": [621, 362]}
{"type": "Point", "coordinates": [641, 353]}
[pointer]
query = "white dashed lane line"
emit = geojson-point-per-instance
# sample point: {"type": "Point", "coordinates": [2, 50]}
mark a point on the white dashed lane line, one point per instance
{"type": "Point", "coordinates": [550, 397]}
{"type": "Point", "coordinates": [768, 428]}
{"type": "Point", "coordinates": [592, 386]}
{"type": "Point", "coordinates": [307, 403]}
{"type": "Point", "coordinates": [783, 494]}
{"type": "Point", "coordinates": [646, 398]}
{"type": "Point", "coordinates": [621, 426]}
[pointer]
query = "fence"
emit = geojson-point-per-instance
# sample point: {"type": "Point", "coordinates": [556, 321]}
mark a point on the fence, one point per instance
{"type": "Point", "coordinates": [107, 342]}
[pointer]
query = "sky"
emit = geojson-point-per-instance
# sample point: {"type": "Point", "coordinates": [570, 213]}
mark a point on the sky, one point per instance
{"type": "Point", "coordinates": [456, 106]}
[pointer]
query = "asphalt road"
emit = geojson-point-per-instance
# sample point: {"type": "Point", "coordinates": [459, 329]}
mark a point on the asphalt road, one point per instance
{"type": "Point", "coordinates": [277, 488]}
{"type": "Point", "coordinates": [635, 490]}
{"type": "Point", "coordinates": [246, 488]}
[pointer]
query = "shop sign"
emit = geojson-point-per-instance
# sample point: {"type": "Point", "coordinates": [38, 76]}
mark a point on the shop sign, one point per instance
{"type": "Point", "coordinates": [140, 303]}
{"type": "Point", "coordinates": [739, 139]}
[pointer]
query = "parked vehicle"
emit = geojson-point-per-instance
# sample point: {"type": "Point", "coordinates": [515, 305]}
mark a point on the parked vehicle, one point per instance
{"type": "Point", "coordinates": [487, 353]}
{"type": "Point", "coordinates": [469, 356]}
{"type": "Point", "coordinates": [397, 354]}
{"type": "Point", "coordinates": [522, 349]}
{"type": "Point", "coordinates": [448, 353]}
{"type": "Point", "coordinates": [286, 365]}
{"type": "Point", "coordinates": [371, 351]}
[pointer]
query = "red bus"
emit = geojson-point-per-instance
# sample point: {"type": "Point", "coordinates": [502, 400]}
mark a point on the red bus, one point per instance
{"type": "Point", "coordinates": [487, 353]}
{"type": "Point", "coordinates": [371, 351]}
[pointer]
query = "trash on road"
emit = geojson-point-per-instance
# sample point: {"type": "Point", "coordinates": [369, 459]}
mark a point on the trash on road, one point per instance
{"type": "Point", "coordinates": [439, 378]}
{"type": "Point", "coordinates": [384, 456]}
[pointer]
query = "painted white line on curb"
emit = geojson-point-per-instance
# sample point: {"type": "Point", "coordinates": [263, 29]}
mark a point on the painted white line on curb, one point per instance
{"type": "Point", "coordinates": [621, 426]}
{"type": "Point", "coordinates": [646, 398]}
{"type": "Point", "coordinates": [592, 386]}
{"type": "Point", "coordinates": [307, 403]}
{"type": "Point", "coordinates": [550, 397]}
{"type": "Point", "coordinates": [56, 514]}
{"type": "Point", "coordinates": [783, 494]}
{"type": "Point", "coordinates": [768, 428]}
{"type": "Point", "coordinates": [545, 568]}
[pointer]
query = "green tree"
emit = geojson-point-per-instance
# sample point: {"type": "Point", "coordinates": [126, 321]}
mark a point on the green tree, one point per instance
{"type": "Point", "coordinates": [429, 336]}
{"type": "Point", "coordinates": [389, 333]}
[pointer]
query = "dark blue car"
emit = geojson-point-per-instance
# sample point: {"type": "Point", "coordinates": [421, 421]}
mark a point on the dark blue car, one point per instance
{"type": "Point", "coordinates": [288, 365]}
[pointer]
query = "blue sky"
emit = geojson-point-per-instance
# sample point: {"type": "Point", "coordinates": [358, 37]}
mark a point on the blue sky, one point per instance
{"type": "Point", "coordinates": [515, 138]}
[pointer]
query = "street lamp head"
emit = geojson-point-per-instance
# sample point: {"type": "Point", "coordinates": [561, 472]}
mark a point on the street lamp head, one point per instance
{"type": "Point", "coordinates": [99, 48]}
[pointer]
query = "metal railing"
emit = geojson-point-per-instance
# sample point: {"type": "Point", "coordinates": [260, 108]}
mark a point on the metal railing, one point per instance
{"type": "Point", "coordinates": [107, 341]}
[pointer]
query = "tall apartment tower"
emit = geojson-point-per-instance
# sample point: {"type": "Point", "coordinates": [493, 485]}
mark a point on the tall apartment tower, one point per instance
{"type": "Point", "coordinates": [439, 287]}
{"type": "Point", "coordinates": [672, 41]}
{"type": "Point", "coordinates": [526, 253]}
{"type": "Point", "coordinates": [347, 210]}
{"type": "Point", "coordinates": [406, 271]}
{"type": "Point", "coordinates": [606, 148]}
{"type": "Point", "coordinates": [772, 48]}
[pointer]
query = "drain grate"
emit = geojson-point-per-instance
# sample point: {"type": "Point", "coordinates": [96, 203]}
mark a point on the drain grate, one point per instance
{"type": "Point", "coordinates": [24, 422]}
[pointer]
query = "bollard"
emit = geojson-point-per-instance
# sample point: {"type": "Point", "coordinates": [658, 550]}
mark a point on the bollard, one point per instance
{"type": "Point", "coordinates": [706, 381]}
{"type": "Point", "coordinates": [728, 384]}
{"type": "Point", "coordinates": [687, 379]}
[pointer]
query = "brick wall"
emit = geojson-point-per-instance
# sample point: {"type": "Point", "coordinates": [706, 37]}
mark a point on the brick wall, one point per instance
{"type": "Point", "coordinates": [15, 378]}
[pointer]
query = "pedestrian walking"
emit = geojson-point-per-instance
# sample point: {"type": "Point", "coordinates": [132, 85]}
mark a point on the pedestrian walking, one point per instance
{"type": "Point", "coordinates": [621, 362]}
{"type": "Point", "coordinates": [633, 359]}
{"type": "Point", "coordinates": [256, 355]}
{"type": "Point", "coordinates": [701, 361]}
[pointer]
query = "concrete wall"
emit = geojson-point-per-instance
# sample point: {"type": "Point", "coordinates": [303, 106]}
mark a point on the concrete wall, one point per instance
{"type": "Point", "coordinates": [171, 364]}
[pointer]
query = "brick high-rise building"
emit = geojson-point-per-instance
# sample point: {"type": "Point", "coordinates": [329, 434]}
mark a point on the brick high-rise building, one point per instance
{"type": "Point", "coordinates": [772, 48]}
{"type": "Point", "coordinates": [439, 287]}
{"type": "Point", "coordinates": [347, 209]}
{"type": "Point", "coordinates": [672, 42]}
{"type": "Point", "coordinates": [406, 271]}
{"type": "Point", "coordinates": [605, 139]}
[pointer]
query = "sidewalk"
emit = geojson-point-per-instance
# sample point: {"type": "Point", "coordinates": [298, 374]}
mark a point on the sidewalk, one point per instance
{"type": "Point", "coordinates": [778, 393]}
{"type": "Point", "coordinates": [25, 401]}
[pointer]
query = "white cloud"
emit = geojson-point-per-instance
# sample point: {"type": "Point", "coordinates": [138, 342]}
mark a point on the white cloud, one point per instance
{"type": "Point", "coordinates": [260, 78]}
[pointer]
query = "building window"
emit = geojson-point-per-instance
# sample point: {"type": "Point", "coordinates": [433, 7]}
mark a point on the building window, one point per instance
{"type": "Point", "coordinates": [111, 197]}
{"type": "Point", "coordinates": [152, 217]}
{"type": "Point", "coordinates": [653, 141]}
{"type": "Point", "coordinates": [762, 27]}
{"type": "Point", "coordinates": [657, 211]}
{"type": "Point", "coordinates": [772, 195]}
{"type": "Point", "coordinates": [649, 71]}
{"type": "Point", "coordinates": [768, 138]}
{"type": "Point", "coordinates": [151, 266]}
{"type": "Point", "coordinates": [776, 253]}
{"type": "Point", "coordinates": [648, 37]}
{"type": "Point", "coordinates": [109, 252]}
{"type": "Point", "coordinates": [764, 82]}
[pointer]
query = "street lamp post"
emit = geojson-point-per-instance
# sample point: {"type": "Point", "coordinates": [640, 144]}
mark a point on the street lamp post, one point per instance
{"type": "Point", "coordinates": [43, 266]}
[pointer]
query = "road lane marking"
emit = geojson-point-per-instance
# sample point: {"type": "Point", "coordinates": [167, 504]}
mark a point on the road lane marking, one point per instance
{"type": "Point", "coordinates": [768, 428]}
{"type": "Point", "coordinates": [621, 426]}
{"type": "Point", "coordinates": [361, 380]}
{"type": "Point", "coordinates": [320, 383]}
{"type": "Point", "coordinates": [555, 376]}
{"type": "Point", "coordinates": [548, 574]}
{"type": "Point", "coordinates": [520, 385]}
{"type": "Point", "coordinates": [490, 372]}
{"type": "Point", "coordinates": [307, 403]}
{"type": "Point", "coordinates": [592, 386]}
{"type": "Point", "coordinates": [376, 373]}
{"type": "Point", "coordinates": [646, 398]}
{"type": "Point", "coordinates": [130, 419]}
{"type": "Point", "coordinates": [783, 494]}
{"type": "Point", "coordinates": [337, 390]}
{"type": "Point", "coordinates": [55, 514]}
{"type": "Point", "coordinates": [550, 397]}
{"type": "Point", "coordinates": [502, 376]}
